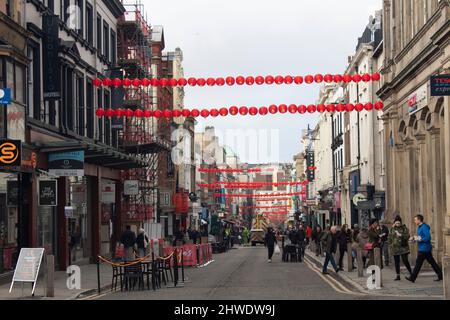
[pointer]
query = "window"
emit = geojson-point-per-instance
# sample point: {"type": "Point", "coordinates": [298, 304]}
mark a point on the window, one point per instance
{"type": "Point", "coordinates": [64, 12]}
{"type": "Point", "coordinates": [89, 24]}
{"type": "Point", "coordinates": [107, 129]}
{"type": "Point", "coordinates": [34, 83]}
{"type": "Point", "coordinates": [99, 34]}
{"type": "Point", "coordinates": [100, 120]}
{"type": "Point", "coordinates": [113, 48]}
{"type": "Point", "coordinates": [90, 108]}
{"type": "Point", "coordinates": [106, 40]}
{"type": "Point", "coordinates": [79, 16]}
{"type": "Point", "coordinates": [51, 5]}
{"type": "Point", "coordinates": [9, 8]}
{"type": "Point", "coordinates": [80, 104]}
{"type": "Point", "coordinates": [69, 99]}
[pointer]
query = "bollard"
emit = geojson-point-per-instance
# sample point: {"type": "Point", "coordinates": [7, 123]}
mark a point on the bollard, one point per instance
{"type": "Point", "coordinates": [175, 267]}
{"type": "Point", "coordinates": [377, 256]}
{"type": "Point", "coordinates": [349, 258]}
{"type": "Point", "coordinates": [98, 274]}
{"type": "Point", "coordinates": [182, 265]}
{"type": "Point", "coordinates": [359, 258]}
{"type": "Point", "coordinates": [50, 292]}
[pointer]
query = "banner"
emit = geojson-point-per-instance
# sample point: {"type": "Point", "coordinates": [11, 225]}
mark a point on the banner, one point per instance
{"type": "Point", "coordinates": [51, 70]}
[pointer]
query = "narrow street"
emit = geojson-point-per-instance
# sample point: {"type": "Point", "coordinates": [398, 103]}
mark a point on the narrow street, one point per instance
{"type": "Point", "coordinates": [244, 274]}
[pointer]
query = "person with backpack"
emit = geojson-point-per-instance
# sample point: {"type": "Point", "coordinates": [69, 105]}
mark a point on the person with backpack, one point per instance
{"type": "Point", "coordinates": [423, 239]}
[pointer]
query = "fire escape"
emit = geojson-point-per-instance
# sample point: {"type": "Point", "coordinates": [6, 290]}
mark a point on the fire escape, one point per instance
{"type": "Point", "coordinates": [138, 135]}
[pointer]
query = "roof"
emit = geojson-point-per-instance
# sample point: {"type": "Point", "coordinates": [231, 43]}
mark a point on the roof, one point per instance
{"type": "Point", "coordinates": [158, 34]}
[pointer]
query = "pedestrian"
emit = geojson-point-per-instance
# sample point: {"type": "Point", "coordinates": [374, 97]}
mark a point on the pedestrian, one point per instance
{"type": "Point", "coordinates": [374, 240]}
{"type": "Point", "coordinates": [363, 239]}
{"type": "Point", "coordinates": [330, 245]}
{"type": "Point", "coordinates": [384, 245]}
{"type": "Point", "coordinates": [344, 238]}
{"type": "Point", "coordinates": [317, 234]}
{"type": "Point", "coordinates": [301, 240]}
{"type": "Point", "coordinates": [245, 235]}
{"type": "Point", "coordinates": [142, 243]}
{"type": "Point", "coordinates": [128, 240]}
{"type": "Point", "coordinates": [355, 245]}
{"type": "Point", "coordinates": [179, 236]}
{"type": "Point", "coordinates": [195, 236]}
{"type": "Point", "coordinates": [308, 234]}
{"type": "Point", "coordinates": [399, 246]}
{"type": "Point", "coordinates": [270, 241]}
{"type": "Point", "coordinates": [423, 240]}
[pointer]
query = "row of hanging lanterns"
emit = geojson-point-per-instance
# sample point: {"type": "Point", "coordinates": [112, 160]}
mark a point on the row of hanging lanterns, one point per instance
{"type": "Point", "coordinates": [239, 80]}
{"type": "Point", "coordinates": [243, 111]}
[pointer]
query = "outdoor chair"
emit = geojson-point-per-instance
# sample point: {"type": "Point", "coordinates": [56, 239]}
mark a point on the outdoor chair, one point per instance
{"type": "Point", "coordinates": [133, 275]}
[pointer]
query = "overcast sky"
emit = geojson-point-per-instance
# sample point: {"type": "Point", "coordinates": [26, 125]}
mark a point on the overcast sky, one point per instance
{"type": "Point", "coordinates": [251, 37]}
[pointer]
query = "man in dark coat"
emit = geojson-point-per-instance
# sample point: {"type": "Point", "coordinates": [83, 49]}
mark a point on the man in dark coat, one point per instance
{"type": "Point", "coordinates": [269, 241]}
{"type": "Point", "coordinates": [301, 237]}
{"type": "Point", "coordinates": [329, 243]}
{"type": "Point", "coordinates": [128, 240]}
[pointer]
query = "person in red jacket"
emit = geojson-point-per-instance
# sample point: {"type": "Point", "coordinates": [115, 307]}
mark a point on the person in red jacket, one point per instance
{"type": "Point", "coordinates": [309, 232]}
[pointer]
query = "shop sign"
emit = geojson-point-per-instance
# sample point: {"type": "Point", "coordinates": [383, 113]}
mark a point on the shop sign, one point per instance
{"type": "Point", "coordinates": [48, 190]}
{"type": "Point", "coordinates": [51, 70]}
{"type": "Point", "coordinates": [418, 99]}
{"type": "Point", "coordinates": [440, 85]}
{"type": "Point", "coordinates": [28, 265]}
{"type": "Point", "coordinates": [10, 152]}
{"type": "Point", "coordinates": [5, 96]}
{"type": "Point", "coordinates": [12, 193]}
{"type": "Point", "coordinates": [108, 192]}
{"type": "Point", "coordinates": [32, 162]}
{"type": "Point", "coordinates": [358, 198]}
{"type": "Point", "coordinates": [131, 187]}
{"type": "Point", "coordinates": [66, 164]}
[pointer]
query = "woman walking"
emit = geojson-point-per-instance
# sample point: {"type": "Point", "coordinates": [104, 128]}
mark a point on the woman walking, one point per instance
{"type": "Point", "coordinates": [399, 245]}
{"type": "Point", "coordinates": [270, 240]}
{"type": "Point", "coordinates": [363, 239]}
{"type": "Point", "coordinates": [374, 240]}
{"type": "Point", "coordinates": [142, 243]}
{"type": "Point", "coordinates": [344, 238]}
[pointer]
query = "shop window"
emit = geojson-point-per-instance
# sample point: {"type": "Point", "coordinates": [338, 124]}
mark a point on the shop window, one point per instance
{"type": "Point", "coordinates": [89, 24]}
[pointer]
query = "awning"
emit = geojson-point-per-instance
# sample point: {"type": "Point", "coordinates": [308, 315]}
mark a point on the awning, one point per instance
{"type": "Point", "coordinates": [99, 154]}
{"type": "Point", "coordinates": [154, 146]}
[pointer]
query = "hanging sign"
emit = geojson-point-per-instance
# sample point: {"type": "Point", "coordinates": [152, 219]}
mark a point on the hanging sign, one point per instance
{"type": "Point", "coordinates": [440, 85]}
{"type": "Point", "coordinates": [131, 187]}
{"type": "Point", "coordinates": [28, 265]}
{"type": "Point", "coordinates": [66, 164]}
{"type": "Point", "coordinates": [48, 190]}
{"type": "Point", "coordinates": [5, 96]}
{"type": "Point", "coordinates": [108, 192]}
{"type": "Point", "coordinates": [10, 152]}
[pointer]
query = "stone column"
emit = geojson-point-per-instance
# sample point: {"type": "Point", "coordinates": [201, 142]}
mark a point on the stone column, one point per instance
{"type": "Point", "coordinates": [446, 258]}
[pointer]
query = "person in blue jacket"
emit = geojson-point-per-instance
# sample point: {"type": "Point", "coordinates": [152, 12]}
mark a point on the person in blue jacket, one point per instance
{"type": "Point", "coordinates": [423, 239]}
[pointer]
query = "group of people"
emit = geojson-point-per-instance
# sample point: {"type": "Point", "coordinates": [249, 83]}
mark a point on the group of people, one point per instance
{"type": "Point", "coordinates": [394, 241]}
{"type": "Point", "coordinates": [134, 244]}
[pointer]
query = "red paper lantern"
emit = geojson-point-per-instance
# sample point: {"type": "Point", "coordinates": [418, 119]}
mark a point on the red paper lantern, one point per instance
{"type": "Point", "coordinates": [349, 107]}
{"type": "Point", "coordinates": [302, 109]}
{"type": "Point", "coordinates": [116, 82]}
{"type": "Point", "coordinates": [138, 113]}
{"type": "Point", "coordinates": [269, 79]}
{"type": "Point", "coordinates": [331, 107]}
{"type": "Point", "coordinates": [368, 106]}
{"type": "Point", "coordinates": [288, 79]}
{"type": "Point", "coordinates": [220, 81]}
{"type": "Point", "coordinates": [126, 82]}
{"type": "Point", "coordinates": [311, 108]}
{"type": "Point", "coordinates": [192, 82]}
{"type": "Point", "coordinates": [186, 112]}
{"type": "Point", "coordinates": [97, 82]}
{"type": "Point", "coordinates": [376, 76]}
{"type": "Point", "coordinates": [182, 82]}
{"type": "Point", "coordinates": [318, 78]}
{"type": "Point", "coordinates": [195, 113]}
{"type": "Point", "coordinates": [347, 78]}
{"type": "Point", "coordinates": [321, 108]}
{"type": "Point", "coordinates": [356, 78]}
{"type": "Point", "coordinates": [173, 82]}
{"type": "Point", "coordinates": [359, 107]}
{"type": "Point", "coordinates": [309, 79]}
{"type": "Point", "coordinates": [240, 80]}
{"type": "Point", "coordinates": [214, 112]}
{"type": "Point", "coordinates": [230, 81]}
{"type": "Point", "coordinates": [176, 113]}
{"type": "Point", "coordinates": [279, 79]}
{"type": "Point", "coordinates": [273, 109]}
{"type": "Point", "coordinates": [129, 113]}
{"type": "Point", "coordinates": [249, 80]}
{"type": "Point", "coordinates": [109, 112]}
{"type": "Point", "coordinates": [283, 108]}
{"type": "Point", "coordinates": [148, 113]}
{"type": "Point", "coordinates": [163, 82]}
{"type": "Point", "coordinates": [259, 80]}
{"type": "Point", "coordinates": [100, 112]}
{"type": "Point", "coordinates": [154, 82]}
{"type": "Point", "coordinates": [223, 112]}
{"type": "Point", "coordinates": [136, 83]}
{"type": "Point", "coordinates": [337, 78]}
{"type": "Point", "coordinates": [107, 82]}
{"type": "Point", "coordinates": [118, 113]}
{"type": "Point", "coordinates": [298, 80]}
{"type": "Point", "coordinates": [263, 111]}
{"type": "Point", "coordinates": [145, 82]}
{"type": "Point", "coordinates": [234, 110]}
{"type": "Point", "coordinates": [379, 105]}
{"type": "Point", "coordinates": [243, 111]}
{"type": "Point", "coordinates": [204, 113]}
{"type": "Point", "coordinates": [340, 107]}
{"type": "Point", "coordinates": [328, 78]}
{"type": "Point", "coordinates": [211, 82]}
{"type": "Point", "coordinates": [158, 114]}
{"type": "Point", "coordinates": [292, 108]}
{"type": "Point", "coordinates": [365, 77]}
{"type": "Point", "coordinates": [253, 111]}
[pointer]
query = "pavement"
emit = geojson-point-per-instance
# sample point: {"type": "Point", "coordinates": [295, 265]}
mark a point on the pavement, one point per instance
{"type": "Point", "coordinates": [424, 287]}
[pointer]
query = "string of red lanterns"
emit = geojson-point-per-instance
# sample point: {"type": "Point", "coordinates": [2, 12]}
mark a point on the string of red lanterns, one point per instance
{"type": "Point", "coordinates": [258, 195]}
{"type": "Point", "coordinates": [243, 110]}
{"type": "Point", "coordinates": [269, 213]}
{"type": "Point", "coordinates": [239, 80]}
{"type": "Point", "coordinates": [283, 183]}
{"type": "Point", "coordinates": [274, 199]}
{"type": "Point", "coordinates": [215, 170]}
{"type": "Point", "coordinates": [263, 207]}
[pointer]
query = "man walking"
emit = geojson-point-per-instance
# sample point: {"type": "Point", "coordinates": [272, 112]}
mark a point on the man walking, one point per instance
{"type": "Point", "coordinates": [269, 241]}
{"type": "Point", "coordinates": [329, 245]}
{"type": "Point", "coordinates": [129, 240]}
{"type": "Point", "coordinates": [425, 249]}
